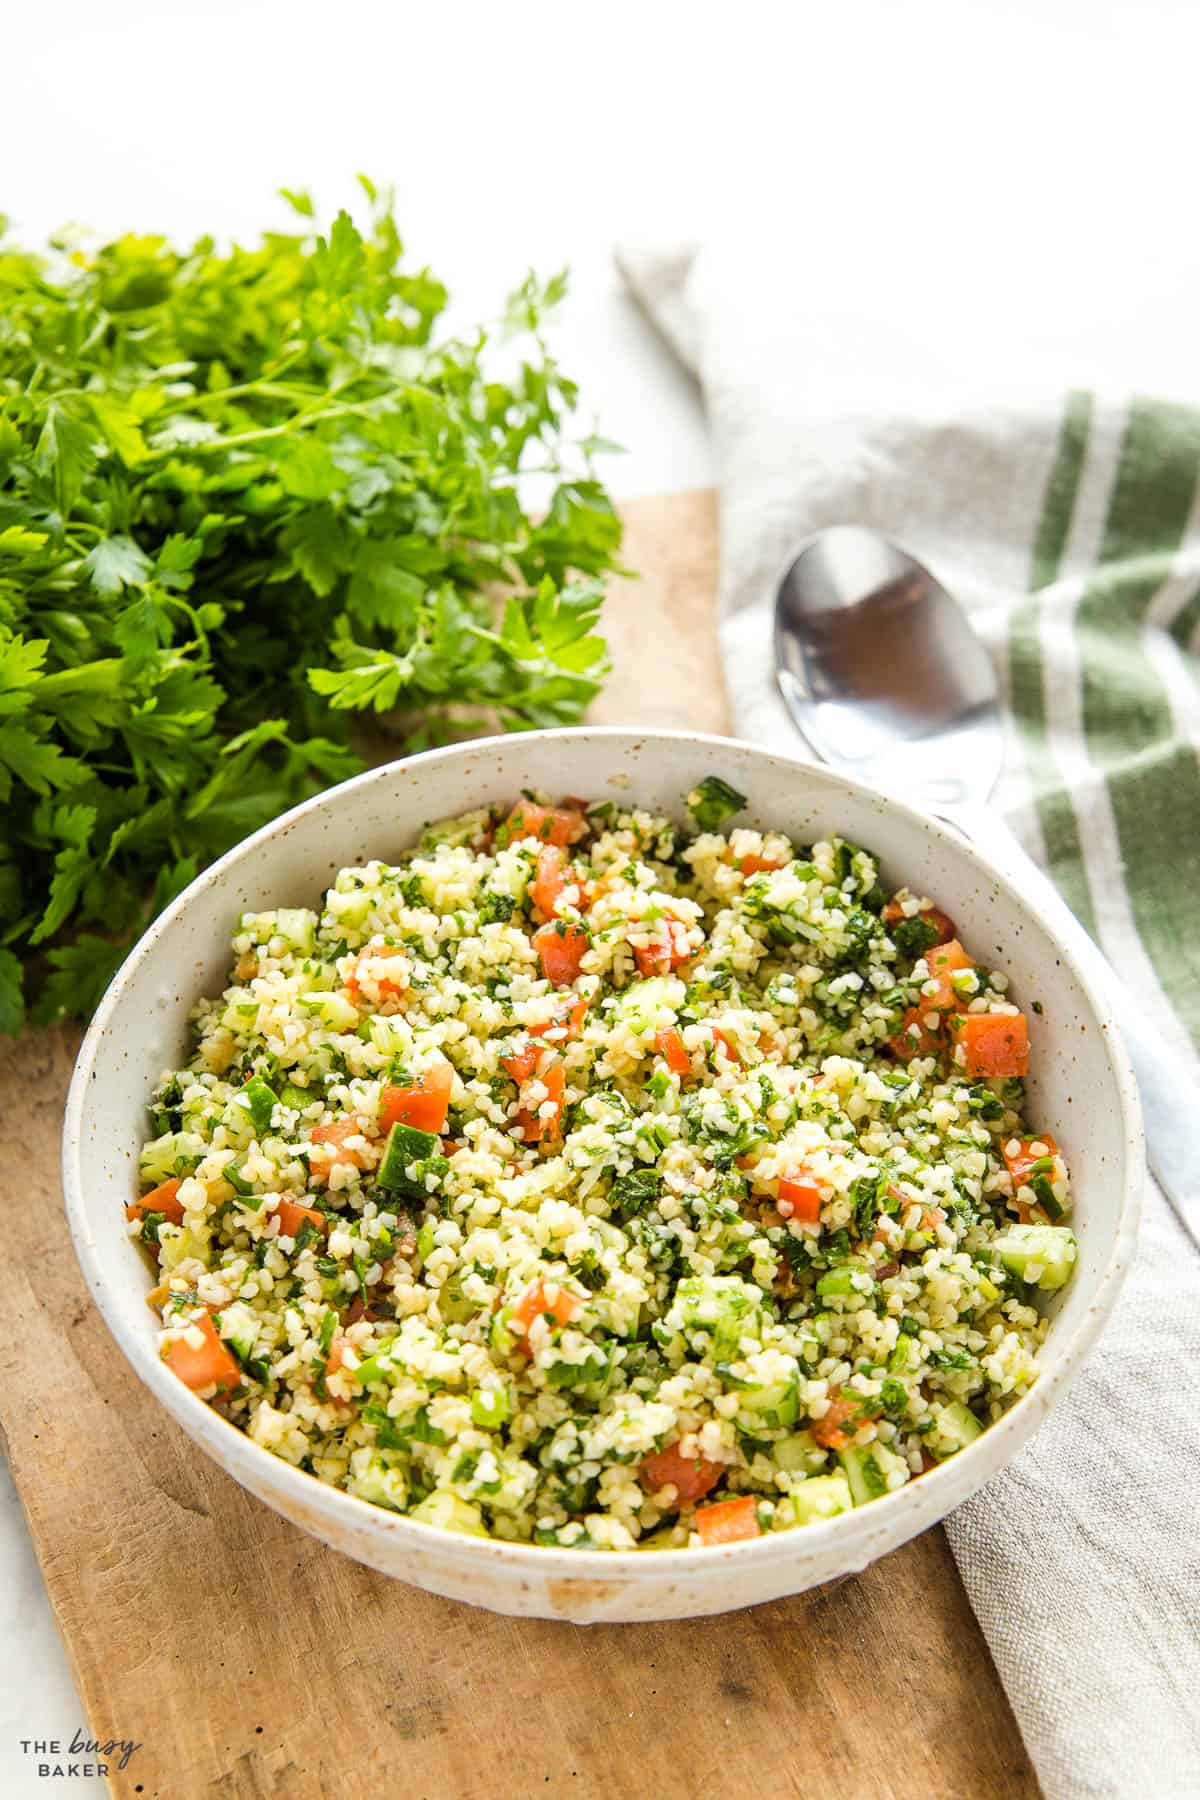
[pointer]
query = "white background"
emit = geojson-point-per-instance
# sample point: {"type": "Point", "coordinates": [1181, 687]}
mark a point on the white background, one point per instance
{"type": "Point", "coordinates": [1026, 170]}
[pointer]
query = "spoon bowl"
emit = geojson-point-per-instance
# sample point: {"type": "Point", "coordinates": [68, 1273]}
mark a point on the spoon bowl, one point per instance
{"type": "Point", "coordinates": [881, 671]}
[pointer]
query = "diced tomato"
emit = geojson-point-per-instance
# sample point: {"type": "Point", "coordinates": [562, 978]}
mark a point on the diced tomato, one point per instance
{"type": "Point", "coordinates": [729, 1521]}
{"type": "Point", "coordinates": [212, 1365]}
{"type": "Point", "coordinates": [292, 1216]}
{"type": "Point", "coordinates": [691, 1477]}
{"type": "Point", "coordinates": [534, 1304]}
{"type": "Point", "coordinates": [522, 1061]}
{"type": "Point", "coordinates": [670, 1047]}
{"type": "Point", "coordinates": [995, 1044]}
{"type": "Point", "coordinates": [387, 989]}
{"type": "Point", "coordinates": [550, 879]}
{"type": "Point", "coordinates": [561, 949]}
{"type": "Point", "coordinates": [331, 1148]}
{"type": "Point", "coordinates": [943, 960]}
{"type": "Point", "coordinates": [914, 1037]}
{"type": "Point", "coordinates": [1021, 1162]}
{"type": "Point", "coordinates": [333, 1361]}
{"type": "Point", "coordinates": [570, 1010]}
{"type": "Point", "coordinates": [760, 865]}
{"type": "Point", "coordinates": [726, 1042]}
{"type": "Point", "coordinates": [800, 1198]}
{"type": "Point", "coordinates": [423, 1105]}
{"type": "Point", "coordinates": [163, 1199]}
{"type": "Point", "coordinates": [830, 1431]}
{"type": "Point", "coordinates": [535, 1125]}
{"type": "Point", "coordinates": [667, 952]}
{"type": "Point", "coordinates": [943, 924]}
{"type": "Point", "coordinates": [558, 825]}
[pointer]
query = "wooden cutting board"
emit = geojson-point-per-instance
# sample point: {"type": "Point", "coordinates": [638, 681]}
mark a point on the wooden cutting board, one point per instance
{"type": "Point", "coordinates": [250, 1661]}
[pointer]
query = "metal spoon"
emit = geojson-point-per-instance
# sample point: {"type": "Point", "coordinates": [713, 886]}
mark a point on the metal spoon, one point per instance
{"type": "Point", "coordinates": [884, 678]}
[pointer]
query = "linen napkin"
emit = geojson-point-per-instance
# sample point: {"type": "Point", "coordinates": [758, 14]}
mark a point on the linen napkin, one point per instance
{"type": "Point", "coordinates": [1069, 526]}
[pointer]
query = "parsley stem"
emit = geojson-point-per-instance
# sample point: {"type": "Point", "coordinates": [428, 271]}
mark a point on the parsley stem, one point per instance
{"type": "Point", "coordinates": [261, 434]}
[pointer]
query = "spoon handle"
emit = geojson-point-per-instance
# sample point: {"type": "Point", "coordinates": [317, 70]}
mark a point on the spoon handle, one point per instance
{"type": "Point", "coordinates": [1170, 1099]}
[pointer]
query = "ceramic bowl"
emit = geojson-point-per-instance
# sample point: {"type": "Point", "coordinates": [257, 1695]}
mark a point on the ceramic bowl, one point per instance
{"type": "Point", "coordinates": [1081, 1088]}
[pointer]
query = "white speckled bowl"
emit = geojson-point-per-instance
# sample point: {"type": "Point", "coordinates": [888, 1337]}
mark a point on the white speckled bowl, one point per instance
{"type": "Point", "coordinates": [1081, 1089]}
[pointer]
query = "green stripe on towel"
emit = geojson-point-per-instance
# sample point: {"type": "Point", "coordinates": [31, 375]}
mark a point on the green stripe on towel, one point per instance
{"type": "Point", "coordinates": [1153, 776]}
{"type": "Point", "coordinates": [1055, 811]}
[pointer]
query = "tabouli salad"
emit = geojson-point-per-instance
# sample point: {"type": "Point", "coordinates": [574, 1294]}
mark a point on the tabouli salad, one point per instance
{"type": "Point", "coordinates": [585, 1181]}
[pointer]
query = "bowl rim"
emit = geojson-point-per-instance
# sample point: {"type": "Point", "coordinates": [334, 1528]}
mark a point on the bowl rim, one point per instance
{"type": "Point", "coordinates": [940, 1490]}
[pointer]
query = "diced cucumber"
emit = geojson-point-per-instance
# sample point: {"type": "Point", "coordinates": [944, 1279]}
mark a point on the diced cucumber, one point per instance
{"type": "Point", "coordinates": [298, 928]}
{"type": "Point", "coordinates": [799, 1454]}
{"type": "Point", "coordinates": [1041, 1255]}
{"type": "Point", "coordinates": [297, 1097]}
{"type": "Point", "coordinates": [592, 1368]}
{"type": "Point", "coordinates": [647, 1006]}
{"type": "Point", "coordinates": [820, 1497]}
{"type": "Point", "coordinates": [906, 1355]}
{"type": "Point", "coordinates": [712, 801]}
{"type": "Point", "coordinates": [375, 1480]}
{"type": "Point", "coordinates": [450, 1513]}
{"type": "Point", "coordinates": [453, 1304]}
{"type": "Point", "coordinates": [175, 1153]}
{"type": "Point", "coordinates": [490, 1407]}
{"type": "Point", "coordinates": [239, 1327]}
{"type": "Point", "coordinates": [294, 924]}
{"type": "Point", "coordinates": [406, 1147]}
{"type": "Point", "coordinates": [240, 1015]}
{"type": "Point", "coordinates": [346, 909]}
{"type": "Point", "coordinates": [864, 1471]}
{"type": "Point", "coordinates": [259, 1100]}
{"type": "Point", "coordinates": [775, 1406]}
{"type": "Point", "coordinates": [500, 1336]}
{"type": "Point", "coordinates": [179, 1244]}
{"type": "Point", "coordinates": [379, 1367]}
{"type": "Point", "coordinates": [723, 1305]}
{"type": "Point", "coordinates": [849, 1281]}
{"type": "Point", "coordinates": [332, 1009]}
{"type": "Point", "coordinates": [955, 1426]}
{"type": "Point", "coordinates": [465, 828]}
{"type": "Point", "coordinates": [510, 1488]}
{"type": "Point", "coordinates": [390, 1036]}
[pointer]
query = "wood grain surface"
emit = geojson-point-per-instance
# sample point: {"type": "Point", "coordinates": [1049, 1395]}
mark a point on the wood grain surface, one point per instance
{"type": "Point", "coordinates": [249, 1661]}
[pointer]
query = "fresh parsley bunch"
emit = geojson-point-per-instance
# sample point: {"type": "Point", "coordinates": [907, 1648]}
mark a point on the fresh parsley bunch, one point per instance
{"type": "Point", "coordinates": [245, 495]}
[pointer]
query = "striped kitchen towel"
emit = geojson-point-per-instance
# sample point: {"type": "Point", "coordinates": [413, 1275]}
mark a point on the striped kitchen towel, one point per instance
{"type": "Point", "coordinates": [1070, 529]}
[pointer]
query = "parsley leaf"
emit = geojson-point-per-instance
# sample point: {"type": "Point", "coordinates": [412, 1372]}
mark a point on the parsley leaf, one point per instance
{"type": "Point", "coordinates": [246, 496]}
